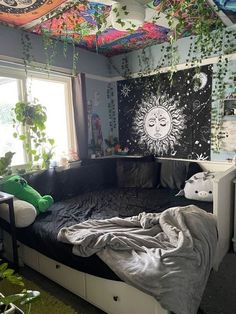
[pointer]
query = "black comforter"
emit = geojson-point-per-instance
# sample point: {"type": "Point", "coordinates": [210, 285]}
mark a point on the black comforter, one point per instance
{"type": "Point", "coordinates": [100, 204]}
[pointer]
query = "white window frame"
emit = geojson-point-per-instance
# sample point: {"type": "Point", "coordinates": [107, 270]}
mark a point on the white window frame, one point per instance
{"type": "Point", "coordinates": [18, 73]}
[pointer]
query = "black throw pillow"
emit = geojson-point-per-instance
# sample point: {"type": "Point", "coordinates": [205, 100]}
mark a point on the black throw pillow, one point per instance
{"type": "Point", "coordinates": [139, 173]}
{"type": "Point", "coordinates": [174, 173]}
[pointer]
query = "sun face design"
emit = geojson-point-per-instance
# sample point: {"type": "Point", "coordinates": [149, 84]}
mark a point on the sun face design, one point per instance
{"type": "Point", "coordinates": [159, 124]}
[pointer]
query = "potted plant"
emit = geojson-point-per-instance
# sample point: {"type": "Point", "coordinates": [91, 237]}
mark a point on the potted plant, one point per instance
{"type": "Point", "coordinates": [111, 144]}
{"type": "Point", "coordinates": [5, 163]}
{"type": "Point", "coordinates": [24, 297]}
{"type": "Point", "coordinates": [94, 149]}
{"type": "Point", "coordinates": [30, 125]}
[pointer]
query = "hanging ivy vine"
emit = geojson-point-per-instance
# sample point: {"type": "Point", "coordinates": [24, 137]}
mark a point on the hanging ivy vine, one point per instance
{"type": "Point", "coordinates": [186, 18]}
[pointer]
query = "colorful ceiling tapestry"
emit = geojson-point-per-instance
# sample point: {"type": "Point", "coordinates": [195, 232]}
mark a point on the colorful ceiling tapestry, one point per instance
{"type": "Point", "coordinates": [167, 120]}
{"type": "Point", "coordinates": [91, 25]}
{"type": "Point", "coordinates": [80, 24]}
{"type": "Point", "coordinates": [21, 12]}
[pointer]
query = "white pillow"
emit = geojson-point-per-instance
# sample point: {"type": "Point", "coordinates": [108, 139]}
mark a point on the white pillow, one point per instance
{"type": "Point", "coordinates": [199, 187]}
{"type": "Point", "coordinates": [25, 213]}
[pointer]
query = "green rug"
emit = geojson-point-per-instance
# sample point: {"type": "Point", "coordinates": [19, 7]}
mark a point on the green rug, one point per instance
{"type": "Point", "coordinates": [47, 304]}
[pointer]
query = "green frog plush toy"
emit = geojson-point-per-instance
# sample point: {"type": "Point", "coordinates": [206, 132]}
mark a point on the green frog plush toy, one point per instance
{"type": "Point", "coordinates": [18, 186]}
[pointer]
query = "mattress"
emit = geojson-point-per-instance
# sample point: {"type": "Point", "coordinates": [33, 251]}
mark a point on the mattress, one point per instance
{"type": "Point", "coordinates": [101, 204]}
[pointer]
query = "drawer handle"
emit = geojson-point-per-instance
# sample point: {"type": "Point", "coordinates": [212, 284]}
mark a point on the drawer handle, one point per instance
{"type": "Point", "coordinates": [115, 298]}
{"type": "Point", "coordinates": [58, 266]}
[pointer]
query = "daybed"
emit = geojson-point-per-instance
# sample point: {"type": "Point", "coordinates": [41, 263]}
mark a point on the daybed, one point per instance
{"type": "Point", "coordinates": [107, 188]}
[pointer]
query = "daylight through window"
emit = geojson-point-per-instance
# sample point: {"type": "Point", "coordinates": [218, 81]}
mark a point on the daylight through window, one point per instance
{"type": "Point", "coordinates": [53, 94]}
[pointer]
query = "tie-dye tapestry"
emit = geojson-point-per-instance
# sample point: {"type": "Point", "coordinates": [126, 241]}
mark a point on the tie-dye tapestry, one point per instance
{"type": "Point", "coordinates": [167, 119]}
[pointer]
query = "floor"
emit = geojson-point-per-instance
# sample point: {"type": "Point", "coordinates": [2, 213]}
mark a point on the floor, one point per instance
{"type": "Point", "coordinates": [219, 296]}
{"type": "Point", "coordinates": [220, 293]}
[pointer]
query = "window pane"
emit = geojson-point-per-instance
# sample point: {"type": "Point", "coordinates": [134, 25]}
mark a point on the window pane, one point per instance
{"type": "Point", "coordinates": [8, 99]}
{"type": "Point", "coordinates": [51, 94]}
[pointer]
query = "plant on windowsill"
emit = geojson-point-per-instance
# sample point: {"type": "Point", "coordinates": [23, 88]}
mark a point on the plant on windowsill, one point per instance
{"type": "Point", "coordinates": [5, 163]}
{"type": "Point", "coordinates": [30, 124]}
{"type": "Point", "coordinates": [25, 297]}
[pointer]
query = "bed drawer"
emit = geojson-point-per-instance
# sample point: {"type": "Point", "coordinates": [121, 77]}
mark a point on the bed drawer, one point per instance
{"type": "Point", "coordinates": [116, 297]}
{"type": "Point", "coordinates": [65, 276]}
{"type": "Point", "coordinates": [30, 257]}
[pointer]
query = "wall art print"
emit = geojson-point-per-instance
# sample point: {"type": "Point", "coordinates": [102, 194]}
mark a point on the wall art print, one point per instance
{"type": "Point", "coordinates": [164, 119]}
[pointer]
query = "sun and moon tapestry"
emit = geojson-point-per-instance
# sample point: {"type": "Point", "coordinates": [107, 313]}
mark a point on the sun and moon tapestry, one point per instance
{"type": "Point", "coordinates": [167, 119]}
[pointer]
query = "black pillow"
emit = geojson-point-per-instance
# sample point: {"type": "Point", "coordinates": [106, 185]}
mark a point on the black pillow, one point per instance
{"type": "Point", "coordinates": [139, 173]}
{"type": "Point", "coordinates": [44, 181]}
{"type": "Point", "coordinates": [174, 173]}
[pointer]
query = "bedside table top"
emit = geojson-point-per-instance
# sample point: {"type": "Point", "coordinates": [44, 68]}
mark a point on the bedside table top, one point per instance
{"type": "Point", "coordinates": [5, 196]}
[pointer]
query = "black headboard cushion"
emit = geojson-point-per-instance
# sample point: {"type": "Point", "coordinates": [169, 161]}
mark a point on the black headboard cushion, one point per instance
{"type": "Point", "coordinates": [174, 173]}
{"type": "Point", "coordinates": [137, 172]}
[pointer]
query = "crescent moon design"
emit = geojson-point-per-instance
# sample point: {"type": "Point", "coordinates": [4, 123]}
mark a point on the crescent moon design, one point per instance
{"type": "Point", "coordinates": [200, 81]}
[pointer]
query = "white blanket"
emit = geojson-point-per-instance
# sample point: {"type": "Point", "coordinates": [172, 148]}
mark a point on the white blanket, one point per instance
{"type": "Point", "coordinates": [167, 255]}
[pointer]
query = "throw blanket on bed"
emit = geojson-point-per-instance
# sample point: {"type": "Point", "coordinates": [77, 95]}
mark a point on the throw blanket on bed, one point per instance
{"type": "Point", "coordinates": [168, 255]}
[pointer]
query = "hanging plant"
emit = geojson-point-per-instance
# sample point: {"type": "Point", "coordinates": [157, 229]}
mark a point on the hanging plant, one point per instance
{"type": "Point", "coordinates": [27, 48]}
{"type": "Point", "coordinates": [30, 125]}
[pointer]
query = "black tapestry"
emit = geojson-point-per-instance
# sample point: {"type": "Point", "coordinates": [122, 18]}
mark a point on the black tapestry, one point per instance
{"type": "Point", "coordinates": [169, 119]}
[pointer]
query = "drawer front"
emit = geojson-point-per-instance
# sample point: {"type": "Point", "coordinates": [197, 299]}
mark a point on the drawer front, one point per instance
{"type": "Point", "coordinates": [119, 298]}
{"type": "Point", "coordinates": [67, 277]}
{"type": "Point", "coordinates": [30, 257]}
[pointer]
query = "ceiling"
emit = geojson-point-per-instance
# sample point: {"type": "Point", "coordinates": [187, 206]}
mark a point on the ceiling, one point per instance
{"type": "Point", "coordinates": [89, 24]}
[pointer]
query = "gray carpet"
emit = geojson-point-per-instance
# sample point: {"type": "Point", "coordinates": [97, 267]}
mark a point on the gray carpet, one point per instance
{"type": "Point", "coordinates": [220, 293]}
{"type": "Point", "coordinates": [219, 296]}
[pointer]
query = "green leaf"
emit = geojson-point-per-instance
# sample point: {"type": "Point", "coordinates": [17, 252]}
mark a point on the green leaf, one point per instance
{"type": "Point", "coordinates": [51, 141]}
{"type": "Point", "coordinates": [8, 272]}
{"type": "Point", "coordinates": [30, 297]}
{"type": "Point", "coordinates": [3, 268]}
{"type": "Point", "coordinates": [22, 137]}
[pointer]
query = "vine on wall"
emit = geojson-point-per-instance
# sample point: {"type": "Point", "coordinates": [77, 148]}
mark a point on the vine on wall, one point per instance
{"type": "Point", "coordinates": [185, 18]}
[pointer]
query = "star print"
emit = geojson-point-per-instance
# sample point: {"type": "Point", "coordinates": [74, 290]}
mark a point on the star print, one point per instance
{"type": "Point", "coordinates": [125, 90]}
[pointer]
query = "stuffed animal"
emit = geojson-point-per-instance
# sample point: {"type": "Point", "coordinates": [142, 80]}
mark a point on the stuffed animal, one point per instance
{"type": "Point", "coordinates": [199, 187]}
{"type": "Point", "coordinates": [18, 186]}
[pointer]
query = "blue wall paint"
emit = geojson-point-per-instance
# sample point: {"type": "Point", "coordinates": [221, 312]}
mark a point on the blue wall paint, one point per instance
{"type": "Point", "coordinates": [88, 62]}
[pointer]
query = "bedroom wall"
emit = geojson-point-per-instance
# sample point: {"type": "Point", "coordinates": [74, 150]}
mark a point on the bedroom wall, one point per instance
{"type": "Point", "coordinates": [102, 109]}
{"type": "Point", "coordinates": [153, 54]}
{"type": "Point", "coordinates": [11, 47]}
{"type": "Point", "coordinates": [93, 65]}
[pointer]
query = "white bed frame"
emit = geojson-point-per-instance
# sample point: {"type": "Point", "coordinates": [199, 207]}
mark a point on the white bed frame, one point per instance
{"type": "Point", "coordinates": [116, 297]}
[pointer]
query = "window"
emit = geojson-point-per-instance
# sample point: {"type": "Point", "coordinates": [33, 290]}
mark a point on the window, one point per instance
{"type": "Point", "coordinates": [53, 93]}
